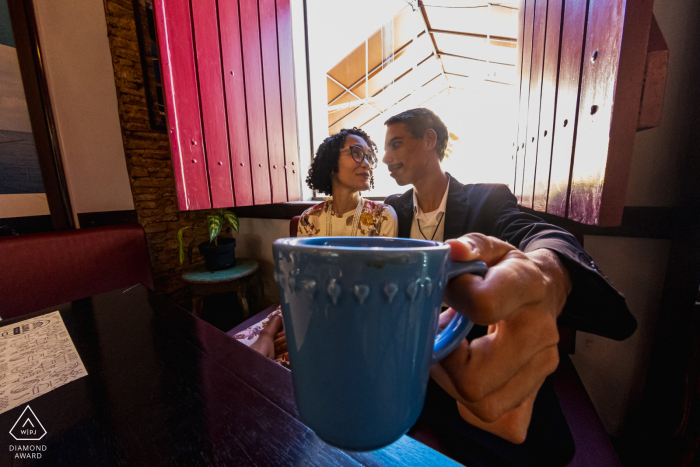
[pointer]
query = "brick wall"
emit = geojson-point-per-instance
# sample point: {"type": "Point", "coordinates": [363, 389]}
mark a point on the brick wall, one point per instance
{"type": "Point", "coordinates": [148, 157]}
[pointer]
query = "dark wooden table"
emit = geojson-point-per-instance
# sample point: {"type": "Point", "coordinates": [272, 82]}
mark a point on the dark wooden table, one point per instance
{"type": "Point", "coordinates": [165, 388]}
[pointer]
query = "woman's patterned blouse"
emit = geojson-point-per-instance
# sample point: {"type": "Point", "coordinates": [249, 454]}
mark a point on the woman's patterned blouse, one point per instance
{"type": "Point", "coordinates": [376, 220]}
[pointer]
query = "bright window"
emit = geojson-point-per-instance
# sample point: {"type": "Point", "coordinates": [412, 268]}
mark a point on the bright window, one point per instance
{"type": "Point", "coordinates": [370, 60]}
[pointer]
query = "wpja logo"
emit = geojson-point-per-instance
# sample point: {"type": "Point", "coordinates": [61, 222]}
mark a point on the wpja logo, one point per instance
{"type": "Point", "coordinates": [28, 428]}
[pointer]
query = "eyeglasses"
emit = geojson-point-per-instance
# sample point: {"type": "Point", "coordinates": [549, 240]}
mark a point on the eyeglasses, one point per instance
{"type": "Point", "coordinates": [358, 155]}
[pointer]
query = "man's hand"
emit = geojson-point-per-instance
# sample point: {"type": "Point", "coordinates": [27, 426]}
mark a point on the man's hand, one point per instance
{"type": "Point", "coordinates": [495, 378]}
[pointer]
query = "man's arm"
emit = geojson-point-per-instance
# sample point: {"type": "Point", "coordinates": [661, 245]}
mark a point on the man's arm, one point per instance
{"type": "Point", "coordinates": [594, 305]}
{"type": "Point", "coordinates": [536, 271]}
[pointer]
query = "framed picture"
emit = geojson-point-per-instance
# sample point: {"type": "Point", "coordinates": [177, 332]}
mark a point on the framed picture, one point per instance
{"type": "Point", "coordinates": [33, 193]}
{"type": "Point", "coordinates": [150, 62]}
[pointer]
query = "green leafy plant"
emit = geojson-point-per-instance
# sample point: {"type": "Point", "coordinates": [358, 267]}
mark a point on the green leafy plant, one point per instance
{"type": "Point", "coordinates": [216, 222]}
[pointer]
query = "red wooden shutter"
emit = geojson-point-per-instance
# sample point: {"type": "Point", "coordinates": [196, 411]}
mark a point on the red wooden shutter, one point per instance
{"type": "Point", "coordinates": [231, 51]}
{"type": "Point", "coordinates": [229, 89]}
{"type": "Point", "coordinates": [291, 160]}
{"type": "Point", "coordinates": [211, 94]}
{"type": "Point", "coordinates": [581, 80]}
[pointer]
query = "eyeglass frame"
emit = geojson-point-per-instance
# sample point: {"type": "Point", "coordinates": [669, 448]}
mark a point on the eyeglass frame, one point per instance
{"type": "Point", "coordinates": [372, 163]}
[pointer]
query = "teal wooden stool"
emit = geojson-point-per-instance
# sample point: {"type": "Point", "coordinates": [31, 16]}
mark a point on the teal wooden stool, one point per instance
{"type": "Point", "coordinates": [204, 282]}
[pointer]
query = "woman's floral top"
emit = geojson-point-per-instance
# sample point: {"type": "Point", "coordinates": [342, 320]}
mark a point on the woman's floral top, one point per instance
{"type": "Point", "coordinates": [376, 220]}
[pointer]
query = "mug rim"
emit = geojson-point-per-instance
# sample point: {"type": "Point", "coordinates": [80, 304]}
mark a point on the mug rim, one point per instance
{"type": "Point", "coordinates": [312, 243]}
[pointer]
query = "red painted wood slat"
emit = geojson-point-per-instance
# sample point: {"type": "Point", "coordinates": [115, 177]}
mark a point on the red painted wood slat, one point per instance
{"type": "Point", "coordinates": [182, 102]}
{"type": "Point", "coordinates": [600, 62]}
{"type": "Point", "coordinates": [289, 115]}
{"type": "Point", "coordinates": [273, 101]}
{"type": "Point", "coordinates": [572, 37]}
{"type": "Point", "coordinates": [655, 71]}
{"type": "Point", "coordinates": [533, 119]}
{"type": "Point", "coordinates": [235, 101]}
{"type": "Point", "coordinates": [548, 104]}
{"type": "Point", "coordinates": [623, 125]}
{"type": "Point", "coordinates": [255, 101]}
{"type": "Point", "coordinates": [611, 83]}
{"type": "Point", "coordinates": [518, 78]}
{"type": "Point", "coordinates": [211, 93]}
{"type": "Point", "coordinates": [524, 98]}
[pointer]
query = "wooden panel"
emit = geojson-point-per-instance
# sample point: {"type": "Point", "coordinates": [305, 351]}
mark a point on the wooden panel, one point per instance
{"type": "Point", "coordinates": [572, 36]}
{"type": "Point", "coordinates": [519, 53]}
{"type": "Point", "coordinates": [518, 73]}
{"type": "Point", "coordinates": [211, 92]}
{"type": "Point", "coordinates": [334, 91]}
{"type": "Point", "coordinates": [337, 114]}
{"type": "Point", "coordinates": [273, 100]}
{"type": "Point", "coordinates": [479, 69]}
{"type": "Point", "coordinates": [182, 102]}
{"type": "Point", "coordinates": [500, 21]}
{"type": "Point", "coordinates": [524, 98]}
{"type": "Point", "coordinates": [351, 68]}
{"type": "Point", "coordinates": [601, 133]}
{"type": "Point", "coordinates": [623, 128]}
{"type": "Point", "coordinates": [357, 118]}
{"type": "Point", "coordinates": [550, 76]}
{"type": "Point", "coordinates": [255, 100]}
{"type": "Point", "coordinates": [235, 101]}
{"type": "Point", "coordinates": [654, 79]}
{"type": "Point", "coordinates": [289, 106]}
{"type": "Point", "coordinates": [414, 80]}
{"type": "Point", "coordinates": [533, 119]}
{"type": "Point", "coordinates": [476, 47]}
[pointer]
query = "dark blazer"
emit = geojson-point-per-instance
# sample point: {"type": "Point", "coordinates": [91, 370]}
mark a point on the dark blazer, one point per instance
{"type": "Point", "coordinates": [593, 306]}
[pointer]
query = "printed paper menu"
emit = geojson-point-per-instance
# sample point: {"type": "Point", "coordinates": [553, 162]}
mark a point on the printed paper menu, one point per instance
{"type": "Point", "coordinates": [37, 355]}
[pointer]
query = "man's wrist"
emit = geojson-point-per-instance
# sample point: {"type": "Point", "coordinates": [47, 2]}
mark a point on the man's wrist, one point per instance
{"type": "Point", "coordinates": [555, 274]}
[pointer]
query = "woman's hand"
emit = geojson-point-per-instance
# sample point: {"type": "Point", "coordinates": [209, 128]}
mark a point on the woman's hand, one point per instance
{"type": "Point", "coordinates": [266, 342]}
{"type": "Point", "coordinates": [280, 343]}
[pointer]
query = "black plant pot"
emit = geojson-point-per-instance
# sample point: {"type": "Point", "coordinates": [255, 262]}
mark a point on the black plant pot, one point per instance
{"type": "Point", "coordinates": [221, 256]}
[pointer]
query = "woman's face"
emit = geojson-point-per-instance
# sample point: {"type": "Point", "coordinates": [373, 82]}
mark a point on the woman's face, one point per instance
{"type": "Point", "coordinates": [354, 175]}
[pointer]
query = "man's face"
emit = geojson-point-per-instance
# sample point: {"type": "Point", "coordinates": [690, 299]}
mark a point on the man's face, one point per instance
{"type": "Point", "coordinates": [405, 156]}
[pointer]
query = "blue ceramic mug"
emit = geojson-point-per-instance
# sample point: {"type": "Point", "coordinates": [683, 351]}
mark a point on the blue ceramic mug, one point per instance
{"type": "Point", "coordinates": [360, 316]}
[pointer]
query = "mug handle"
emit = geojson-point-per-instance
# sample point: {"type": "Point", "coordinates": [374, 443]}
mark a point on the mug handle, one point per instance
{"type": "Point", "coordinates": [459, 327]}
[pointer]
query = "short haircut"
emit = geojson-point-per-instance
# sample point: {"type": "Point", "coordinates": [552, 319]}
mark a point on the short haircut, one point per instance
{"type": "Point", "coordinates": [326, 161]}
{"type": "Point", "coordinates": [418, 121]}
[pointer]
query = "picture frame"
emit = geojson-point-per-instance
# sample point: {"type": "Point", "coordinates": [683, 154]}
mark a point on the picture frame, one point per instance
{"type": "Point", "coordinates": [150, 63]}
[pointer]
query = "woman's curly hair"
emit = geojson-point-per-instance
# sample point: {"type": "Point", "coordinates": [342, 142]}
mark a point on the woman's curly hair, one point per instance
{"type": "Point", "coordinates": [326, 161]}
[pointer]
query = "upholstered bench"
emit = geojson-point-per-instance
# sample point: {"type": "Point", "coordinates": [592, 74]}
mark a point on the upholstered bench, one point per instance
{"type": "Point", "coordinates": [44, 269]}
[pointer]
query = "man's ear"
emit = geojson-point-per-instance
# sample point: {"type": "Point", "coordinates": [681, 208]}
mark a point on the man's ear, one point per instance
{"type": "Point", "coordinates": [430, 139]}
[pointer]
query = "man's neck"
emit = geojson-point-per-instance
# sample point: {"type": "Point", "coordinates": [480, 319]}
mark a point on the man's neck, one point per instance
{"type": "Point", "coordinates": [344, 200]}
{"type": "Point", "coordinates": [430, 189]}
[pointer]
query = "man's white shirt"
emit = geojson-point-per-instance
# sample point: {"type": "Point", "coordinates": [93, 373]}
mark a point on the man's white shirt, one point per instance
{"type": "Point", "coordinates": [429, 225]}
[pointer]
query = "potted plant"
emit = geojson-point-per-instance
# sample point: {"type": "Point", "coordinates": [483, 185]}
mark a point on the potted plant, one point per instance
{"type": "Point", "coordinates": [219, 252]}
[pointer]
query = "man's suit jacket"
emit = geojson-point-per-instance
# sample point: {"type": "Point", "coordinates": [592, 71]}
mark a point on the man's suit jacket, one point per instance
{"type": "Point", "coordinates": [593, 306]}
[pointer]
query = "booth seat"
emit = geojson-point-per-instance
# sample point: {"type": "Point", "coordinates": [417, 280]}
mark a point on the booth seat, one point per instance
{"type": "Point", "coordinates": [294, 226]}
{"type": "Point", "coordinates": [45, 269]}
